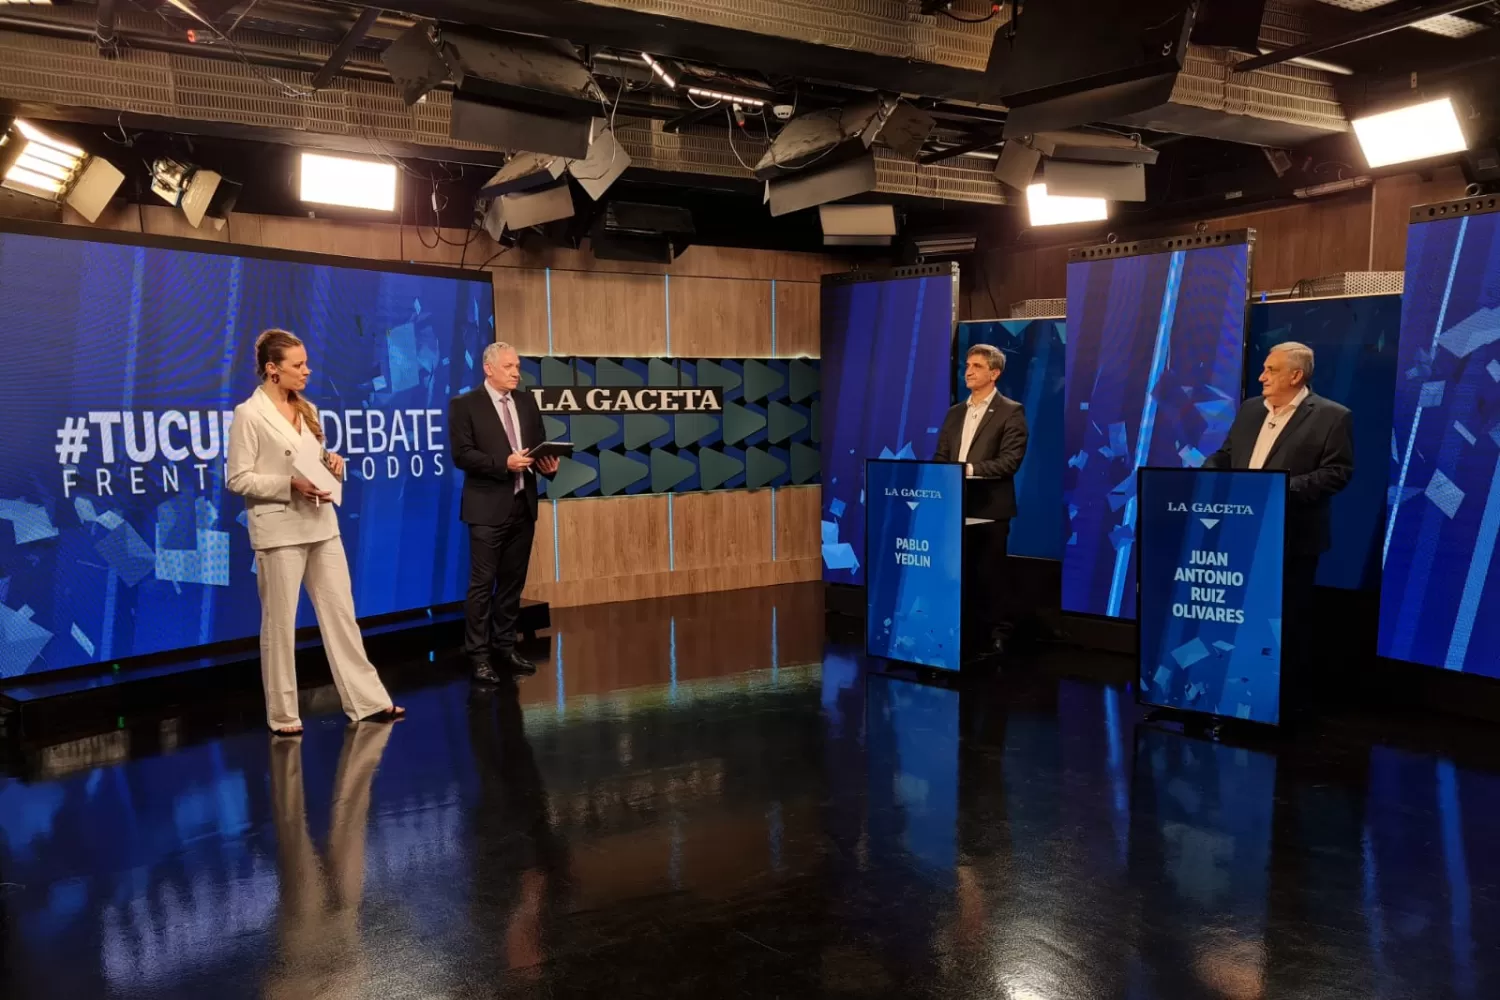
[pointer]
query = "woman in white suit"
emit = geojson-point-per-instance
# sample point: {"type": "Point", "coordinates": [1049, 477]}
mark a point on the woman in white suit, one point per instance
{"type": "Point", "coordinates": [295, 534]}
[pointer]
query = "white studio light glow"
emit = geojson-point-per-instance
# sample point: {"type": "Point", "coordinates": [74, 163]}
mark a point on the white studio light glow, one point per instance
{"type": "Point", "coordinates": [718, 95]}
{"type": "Point", "coordinates": [338, 180]}
{"type": "Point", "coordinates": [660, 71]}
{"type": "Point", "coordinates": [45, 164]}
{"type": "Point", "coordinates": [1417, 132]}
{"type": "Point", "coordinates": [1057, 210]}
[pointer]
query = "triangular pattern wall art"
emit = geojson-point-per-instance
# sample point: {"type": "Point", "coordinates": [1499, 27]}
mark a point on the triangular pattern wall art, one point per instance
{"type": "Point", "coordinates": [673, 425]}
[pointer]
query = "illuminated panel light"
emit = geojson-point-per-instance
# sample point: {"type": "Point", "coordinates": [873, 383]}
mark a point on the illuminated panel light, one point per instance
{"type": "Point", "coordinates": [715, 95]}
{"type": "Point", "coordinates": [1050, 210]}
{"type": "Point", "coordinates": [660, 71]}
{"type": "Point", "coordinates": [336, 180]}
{"type": "Point", "coordinates": [1413, 133]}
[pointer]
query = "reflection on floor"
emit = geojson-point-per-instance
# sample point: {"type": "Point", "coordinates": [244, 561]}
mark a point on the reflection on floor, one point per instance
{"type": "Point", "coordinates": [704, 797]}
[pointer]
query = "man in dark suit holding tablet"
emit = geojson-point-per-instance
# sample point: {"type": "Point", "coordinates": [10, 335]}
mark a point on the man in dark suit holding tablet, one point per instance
{"type": "Point", "coordinates": [492, 430]}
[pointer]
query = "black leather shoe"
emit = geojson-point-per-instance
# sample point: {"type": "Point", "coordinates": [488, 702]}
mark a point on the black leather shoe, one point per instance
{"type": "Point", "coordinates": [485, 674]}
{"type": "Point", "coordinates": [516, 663]}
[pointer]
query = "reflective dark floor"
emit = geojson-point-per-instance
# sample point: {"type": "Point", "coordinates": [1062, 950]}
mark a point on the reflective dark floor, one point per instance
{"type": "Point", "coordinates": [707, 798]}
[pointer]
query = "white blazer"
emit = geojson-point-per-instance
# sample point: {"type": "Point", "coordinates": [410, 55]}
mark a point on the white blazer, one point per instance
{"type": "Point", "coordinates": [261, 445]}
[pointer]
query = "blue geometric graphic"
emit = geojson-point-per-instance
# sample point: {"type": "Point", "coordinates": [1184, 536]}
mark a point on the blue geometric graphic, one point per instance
{"type": "Point", "coordinates": [1440, 594]}
{"type": "Point", "coordinates": [1154, 371]}
{"type": "Point", "coordinates": [1211, 567]}
{"type": "Point", "coordinates": [915, 578]}
{"type": "Point", "coordinates": [880, 408]}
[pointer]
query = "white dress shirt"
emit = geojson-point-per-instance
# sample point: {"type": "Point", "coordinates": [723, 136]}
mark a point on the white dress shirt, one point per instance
{"type": "Point", "coordinates": [1272, 428]}
{"type": "Point", "coordinates": [505, 409]}
{"type": "Point", "coordinates": [973, 416]}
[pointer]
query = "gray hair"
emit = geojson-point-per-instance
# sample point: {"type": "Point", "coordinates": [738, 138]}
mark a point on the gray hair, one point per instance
{"type": "Point", "coordinates": [993, 355]}
{"type": "Point", "coordinates": [1299, 356]}
{"type": "Point", "coordinates": [492, 352]}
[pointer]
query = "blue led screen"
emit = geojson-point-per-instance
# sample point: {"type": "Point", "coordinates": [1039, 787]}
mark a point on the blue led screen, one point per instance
{"type": "Point", "coordinates": [124, 365]}
{"type": "Point", "coordinates": [887, 382]}
{"type": "Point", "coordinates": [1155, 350]}
{"type": "Point", "coordinates": [1440, 592]}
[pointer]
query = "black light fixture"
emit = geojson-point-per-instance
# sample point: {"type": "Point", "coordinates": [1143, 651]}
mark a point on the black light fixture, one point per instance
{"type": "Point", "coordinates": [201, 194]}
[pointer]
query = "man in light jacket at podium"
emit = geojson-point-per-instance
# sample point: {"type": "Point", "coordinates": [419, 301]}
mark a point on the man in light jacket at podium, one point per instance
{"type": "Point", "coordinates": [1291, 427]}
{"type": "Point", "coordinates": [988, 434]}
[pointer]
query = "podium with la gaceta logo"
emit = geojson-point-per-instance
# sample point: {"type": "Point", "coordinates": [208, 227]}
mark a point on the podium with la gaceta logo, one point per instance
{"type": "Point", "coordinates": [1210, 590]}
{"type": "Point", "coordinates": [914, 524]}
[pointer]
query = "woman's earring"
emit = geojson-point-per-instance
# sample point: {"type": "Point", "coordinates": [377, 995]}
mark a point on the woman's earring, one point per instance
{"type": "Point", "coordinates": [276, 379]}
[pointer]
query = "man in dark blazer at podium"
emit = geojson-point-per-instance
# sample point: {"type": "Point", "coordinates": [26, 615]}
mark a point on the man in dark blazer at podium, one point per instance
{"type": "Point", "coordinates": [491, 429]}
{"type": "Point", "coordinates": [988, 434]}
{"type": "Point", "coordinates": [1290, 427]}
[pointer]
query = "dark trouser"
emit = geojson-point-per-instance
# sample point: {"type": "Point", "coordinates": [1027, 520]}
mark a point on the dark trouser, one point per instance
{"type": "Point", "coordinates": [986, 589]}
{"type": "Point", "coordinates": [1298, 622]}
{"type": "Point", "coordinates": [498, 559]}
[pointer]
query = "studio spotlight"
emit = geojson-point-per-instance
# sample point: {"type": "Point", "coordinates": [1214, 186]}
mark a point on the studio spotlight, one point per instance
{"type": "Point", "coordinates": [347, 182]}
{"type": "Point", "coordinates": [1055, 210]}
{"type": "Point", "coordinates": [201, 194]}
{"type": "Point", "coordinates": [1416, 132]}
{"type": "Point", "coordinates": [46, 167]}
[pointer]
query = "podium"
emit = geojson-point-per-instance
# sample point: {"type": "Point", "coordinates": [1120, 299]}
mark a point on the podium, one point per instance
{"type": "Point", "coordinates": [914, 555]}
{"type": "Point", "coordinates": [1211, 558]}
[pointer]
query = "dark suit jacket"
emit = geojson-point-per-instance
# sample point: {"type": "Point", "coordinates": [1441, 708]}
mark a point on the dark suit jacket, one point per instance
{"type": "Point", "coordinates": [996, 452]}
{"type": "Point", "coordinates": [480, 448]}
{"type": "Point", "coordinates": [1316, 447]}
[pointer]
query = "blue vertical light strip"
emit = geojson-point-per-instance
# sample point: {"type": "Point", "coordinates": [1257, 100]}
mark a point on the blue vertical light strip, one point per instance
{"type": "Point", "coordinates": [1450, 813]}
{"type": "Point", "coordinates": [911, 364]}
{"type": "Point", "coordinates": [556, 549]}
{"type": "Point", "coordinates": [1115, 760]}
{"type": "Point", "coordinates": [562, 691]}
{"type": "Point", "coordinates": [548, 272]}
{"type": "Point", "coordinates": [1371, 900]}
{"type": "Point", "coordinates": [773, 317]}
{"type": "Point", "coordinates": [1416, 417]}
{"type": "Point", "coordinates": [666, 291]}
{"type": "Point", "coordinates": [671, 537]}
{"type": "Point", "coordinates": [1159, 357]}
{"type": "Point", "coordinates": [672, 661]}
{"type": "Point", "coordinates": [1479, 571]}
{"type": "Point", "coordinates": [773, 524]}
{"type": "Point", "coordinates": [775, 650]}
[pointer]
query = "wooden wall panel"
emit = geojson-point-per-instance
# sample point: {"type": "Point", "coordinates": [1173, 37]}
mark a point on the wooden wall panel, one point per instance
{"type": "Point", "coordinates": [521, 309]}
{"type": "Point", "coordinates": [799, 513]}
{"type": "Point", "coordinates": [722, 528]}
{"type": "Point", "coordinates": [610, 315]}
{"type": "Point", "coordinates": [604, 537]}
{"type": "Point", "coordinates": [798, 308]}
{"type": "Point", "coordinates": [1392, 201]}
{"type": "Point", "coordinates": [720, 317]}
{"type": "Point", "coordinates": [1363, 230]}
{"type": "Point", "coordinates": [543, 556]}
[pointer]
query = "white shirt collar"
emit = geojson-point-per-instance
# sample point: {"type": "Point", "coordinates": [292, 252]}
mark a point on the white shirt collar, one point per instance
{"type": "Point", "coordinates": [495, 394]}
{"type": "Point", "coordinates": [1296, 401]}
{"type": "Point", "coordinates": [976, 401]}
